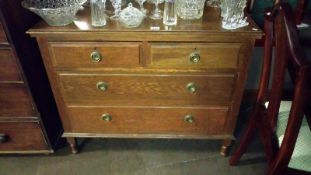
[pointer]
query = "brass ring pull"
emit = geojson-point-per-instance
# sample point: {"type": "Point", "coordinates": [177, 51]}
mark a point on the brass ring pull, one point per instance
{"type": "Point", "coordinates": [195, 57]}
{"type": "Point", "coordinates": [96, 56]}
{"type": "Point", "coordinates": [106, 117]}
{"type": "Point", "coordinates": [103, 86]}
{"type": "Point", "coordinates": [192, 87]}
{"type": "Point", "coordinates": [3, 138]}
{"type": "Point", "coordinates": [189, 118]}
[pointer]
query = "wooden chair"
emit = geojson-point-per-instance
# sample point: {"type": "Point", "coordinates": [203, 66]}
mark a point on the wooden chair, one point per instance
{"type": "Point", "coordinates": [282, 117]}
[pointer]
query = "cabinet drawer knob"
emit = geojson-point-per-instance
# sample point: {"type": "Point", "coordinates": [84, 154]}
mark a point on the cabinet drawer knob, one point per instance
{"type": "Point", "coordinates": [96, 56]}
{"type": "Point", "coordinates": [3, 138]}
{"type": "Point", "coordinates": [106, 117]}
{"type": "Point", "coordinates": [192, 87]}
{"type": "Point", "coordinates": [189, 118]}
{"type": "Point", "coordinates": [103, 86]}
{"type": "Point", "coordinates": [195, 57]}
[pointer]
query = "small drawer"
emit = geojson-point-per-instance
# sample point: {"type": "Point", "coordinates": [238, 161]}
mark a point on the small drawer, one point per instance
{"type": "Point", "coordinates": [93, 55]}
{"type": "Point", "coordinates": [183, 121]}
{"type": "Point", "coordinates": [3, 39]}
{"type": "Point", "coordinates": [197, 55]}
{"type": "Point", "coordinates": [8, 66]}
{"type": "Point", "coordinates": [21, 136]}
{"type": "Point", "coordinates": [153, 90]}
{"type": "Point", "coordinates": [15, 101]}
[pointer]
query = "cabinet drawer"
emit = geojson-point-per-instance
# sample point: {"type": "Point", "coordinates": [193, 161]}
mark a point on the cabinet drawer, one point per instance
{"type": "Point", "coordinates": [141, 90]}
{"type": "Point", "coordinates": [25, 136]}
{"type": "Point", "coordinates": [8, 66]}
{"type": "Point", "coordinates": [185, 121]}
{"type": "Point", "coordinates": [200, 55]}
{"type": "Point", "coordinates": [92, 55]}
{"type": "Point", "coordinates": [15, 101]}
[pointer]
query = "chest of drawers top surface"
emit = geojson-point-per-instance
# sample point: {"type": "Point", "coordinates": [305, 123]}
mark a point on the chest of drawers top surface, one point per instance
{"type": "Point", "coordinates": [209, 23]}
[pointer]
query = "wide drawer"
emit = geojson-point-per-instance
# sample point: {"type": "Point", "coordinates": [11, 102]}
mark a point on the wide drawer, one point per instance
{"type": "Point", "coordinates": [194, 55]}
{"type": "Point", "coordinates": [92, 55]}
{"type": "Point", "coordinates": [142, 90]}
{"type": "Point", "coordinates": [23, 136]}
{"type": "Point", "coordinates": [15, 101]}
{"type": "Point", "coordinates": [8, 66]}
{"type": "Point", "coordinates": [184, 121]}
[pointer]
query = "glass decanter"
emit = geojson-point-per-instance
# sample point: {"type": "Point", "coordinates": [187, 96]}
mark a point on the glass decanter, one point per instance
{"type": "Point", "coordinates": [156, 13]}
{"type": "Point", "coordinates": [117, 9]}
{"type": "Point", "coordinates": [141, 4]}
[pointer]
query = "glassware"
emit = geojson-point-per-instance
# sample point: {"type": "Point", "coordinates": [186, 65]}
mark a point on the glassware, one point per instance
{"type": "Point", "coordinates": [190, 9]}
{"type": "Point", "coordinates": [54, 12]}
{"type": "Point", "coordinates": [141, 4]}
{"type": "Point", "coordinates": [156, 13]}
{"type": "Point", "coordinates": [169, 15]}
{"type": "Point", "coordinates": [131, 17]}
{"type": "Point", "coordinates": [117, 9]}
{"type": "Point", "coordinates": [232, 13]}
{"type": "Point", "coordinates": [213, 3]}
{"type": "Point", "coordinates": [98, 13]}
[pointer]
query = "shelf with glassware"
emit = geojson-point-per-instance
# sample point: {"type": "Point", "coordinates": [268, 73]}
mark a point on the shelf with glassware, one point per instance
{"type": "Point", "coordinates": [131, 13]}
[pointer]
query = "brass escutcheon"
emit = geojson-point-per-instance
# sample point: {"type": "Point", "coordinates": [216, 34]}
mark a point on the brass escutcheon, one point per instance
{"type": "Point", "coordinates": [106, 117]}
{"type": "Point", "coordinates": [192, 87]}
{"type": "Point", "coordinates": [189, 118]}
{"type": "Point", "coordinates": [195, 57]}
{"type": "Point", "coordinates": [103, 86]}
{"type": "Point", "coordinates": [96, 56]}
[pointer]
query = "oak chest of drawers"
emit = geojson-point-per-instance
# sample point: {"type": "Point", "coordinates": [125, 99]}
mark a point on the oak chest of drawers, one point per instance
{"type": "Point", "coordinates": [29, 121]}
{"type": "Point", "coordinates": [154, 81]}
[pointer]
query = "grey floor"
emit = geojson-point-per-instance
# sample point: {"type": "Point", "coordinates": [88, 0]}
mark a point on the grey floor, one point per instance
{"type": "Point", "coordinates": [137, 157]}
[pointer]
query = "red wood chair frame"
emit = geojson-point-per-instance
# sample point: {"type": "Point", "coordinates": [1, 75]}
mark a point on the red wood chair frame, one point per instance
{"type": "Point", "coordinates": [281, 31]}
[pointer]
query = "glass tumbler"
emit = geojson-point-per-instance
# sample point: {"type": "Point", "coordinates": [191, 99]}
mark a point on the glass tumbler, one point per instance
{"type": "Point", "coordinates": [169, 14]}
{"type": "Point", "coordinates": [190, 9]}
{"type": "Point", "coordinates": [232, 13]}
{"type": "Point", "coordinates": [98, 13]}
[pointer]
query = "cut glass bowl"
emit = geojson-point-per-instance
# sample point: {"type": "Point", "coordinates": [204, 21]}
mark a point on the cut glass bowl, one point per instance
{"type": "Point", "coordinates": [54, 12]}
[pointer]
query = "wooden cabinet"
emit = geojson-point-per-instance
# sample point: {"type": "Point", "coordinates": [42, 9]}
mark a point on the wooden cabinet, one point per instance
{"type": "Point", "coordinates": [29, 121]}
{"type": "Point", "coordinates": [153, 81]}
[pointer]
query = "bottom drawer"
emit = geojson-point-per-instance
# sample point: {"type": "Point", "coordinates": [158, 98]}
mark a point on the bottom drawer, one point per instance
{"type": "Point", "coordinates": [24, 136]}
{"type": "Point", "coordinates": [166, 121]}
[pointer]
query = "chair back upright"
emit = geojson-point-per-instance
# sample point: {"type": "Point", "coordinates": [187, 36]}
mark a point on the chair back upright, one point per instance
{"type": "Point", "coordinates": [281, 31]}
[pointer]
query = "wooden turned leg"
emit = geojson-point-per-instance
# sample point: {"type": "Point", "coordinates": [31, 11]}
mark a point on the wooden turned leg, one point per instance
{"type": "Point", "coordinates": [73, 144]}
{"type": "Point", "coordinates": [225, 147]}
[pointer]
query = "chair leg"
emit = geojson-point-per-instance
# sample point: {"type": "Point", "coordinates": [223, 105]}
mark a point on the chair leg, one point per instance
{"type": "Point", "coordinates": [245, 140]}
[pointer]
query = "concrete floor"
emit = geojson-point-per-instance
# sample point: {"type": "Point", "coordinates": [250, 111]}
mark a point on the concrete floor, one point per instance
{"type": "Point", "coordinates": [137, 157]}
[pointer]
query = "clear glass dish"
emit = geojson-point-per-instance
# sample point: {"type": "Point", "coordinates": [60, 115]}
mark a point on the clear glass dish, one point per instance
{"type": "Point", "coordinates": [54, 12]}
{"type": "Point", "coordinates": [131, 17]}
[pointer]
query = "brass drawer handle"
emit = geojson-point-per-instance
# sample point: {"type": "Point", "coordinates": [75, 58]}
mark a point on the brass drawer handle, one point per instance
{"type": "Point", "coordinates": [103, 86]}
{"type": "Point", "coordinates": [96, 56]}
{"type": "Point", "coordinates": [192, 87]}
{"type": "Point", "coordinates": [189, 118]}
{"type": "Point", "coordinates": [106, 117]}
{"type": "Point", "coordinates": [195, 57]}
{"type": "Point", "coordinates": [3, 138]}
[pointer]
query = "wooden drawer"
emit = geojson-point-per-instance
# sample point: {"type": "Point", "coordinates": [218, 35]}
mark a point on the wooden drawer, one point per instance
{"type": "Point", "coordinates": [141, 90]}
{"type": "Point", "coordinates": [15, 101]}
{"type": "Point", "coordinates": [79, 55]}
{"type": "Point", "coordinates": [185, 55]}
{"type": "Point", "coordinates": [3, 39]}
{"type": "Point", "coordinates": [148, 120]}
{"type": "Point", "coordinates": [24, 136]}
{"type": "Point", "coordinates": [8, 66]}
